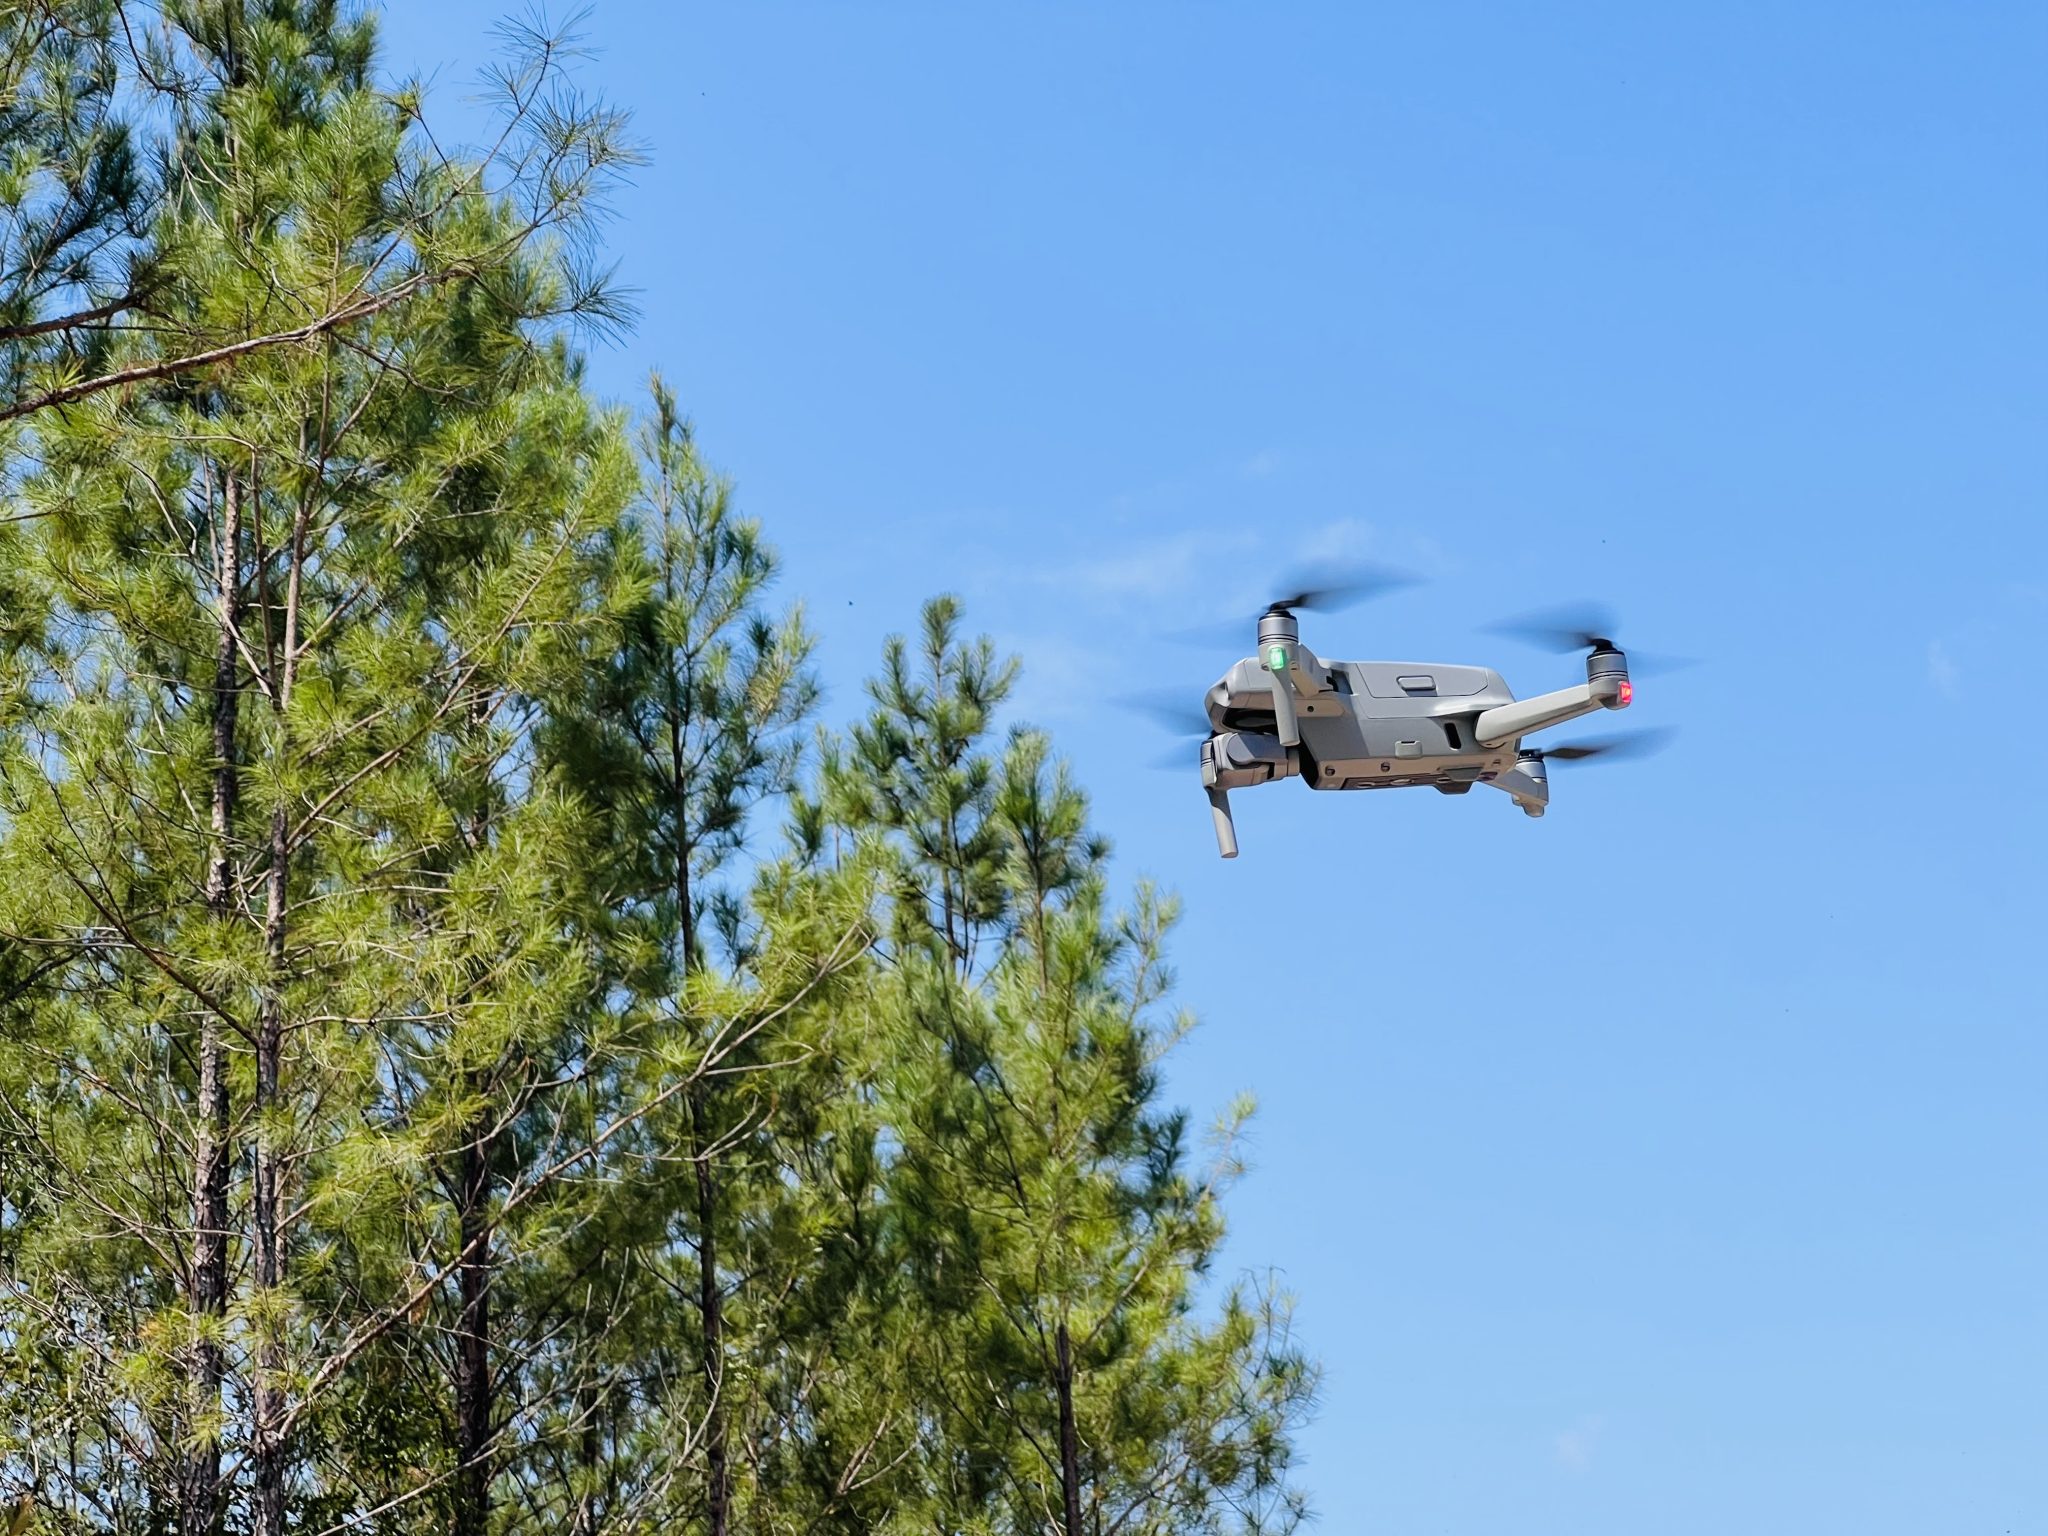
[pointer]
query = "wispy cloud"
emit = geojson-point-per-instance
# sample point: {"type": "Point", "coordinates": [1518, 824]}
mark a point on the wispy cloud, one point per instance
{"type": "Point", "coordinates": [1172, 491]}
{"type": "Point", "coordinates": [1226, 566]}
{"type": "Point", "coordinates": [1574, 1447]}
{"type": "Point", "coordinates": [1343, 538]}
{"type": "Point", "coordinates": [1942, 670]}
{"type": "Point", "coordinates": [1157, 567]}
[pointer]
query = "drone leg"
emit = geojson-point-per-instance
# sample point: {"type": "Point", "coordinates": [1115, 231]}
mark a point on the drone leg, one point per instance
{"type": "Point", "coordinates": [1226, 833]}
{"type": "Point", "coordinates": [1528, 783]}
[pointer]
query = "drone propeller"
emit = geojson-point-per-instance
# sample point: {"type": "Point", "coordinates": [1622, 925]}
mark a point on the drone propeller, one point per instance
{"type": "Point", "coordinates": [1612, 748]}
{"type": "Point", "coordinates": [1323, 589]}
{"type": "Point", "coordinates": [1326, 590]}
{"type": "Point", "coordinates": [1172, 713]}
{"type": "Point", "coordinates": [1584, 627]}
{"type": "Point", "coordinates": [1577, 627]}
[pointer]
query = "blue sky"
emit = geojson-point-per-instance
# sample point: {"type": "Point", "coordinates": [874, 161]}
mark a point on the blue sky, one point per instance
{"type": "Point", "coordinates": [1675, 1163]}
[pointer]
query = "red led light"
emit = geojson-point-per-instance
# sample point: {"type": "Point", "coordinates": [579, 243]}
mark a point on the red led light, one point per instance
{"type": "Point", "coordinates": [1628, 693]}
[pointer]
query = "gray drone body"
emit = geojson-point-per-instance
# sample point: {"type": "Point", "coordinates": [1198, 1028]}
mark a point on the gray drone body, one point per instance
{"type": "Point", "coordinates": [1342, 725]}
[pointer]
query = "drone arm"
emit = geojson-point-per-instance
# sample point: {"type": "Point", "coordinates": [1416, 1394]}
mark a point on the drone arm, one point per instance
{"type": "Point", "coordinates": [1309, 673]}
{"type": "Point", "coordinates": [1494, 727]}
{"type": "Point", "coordinates": [1282, 681]}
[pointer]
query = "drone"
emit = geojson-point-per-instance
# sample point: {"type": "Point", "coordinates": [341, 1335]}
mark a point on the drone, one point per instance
{"type": "Point", "coordinates": [1287, 713]}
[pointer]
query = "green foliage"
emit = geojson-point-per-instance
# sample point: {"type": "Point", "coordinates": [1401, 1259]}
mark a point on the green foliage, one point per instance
{"type": "Point", "coordinates": [425, 1105]}
{"type": "Point", "coordinates": [73, 190]}
{"type": "Point", "coordinates": [913, 769]}
{"type": "Point", "coordinates": [1044, 1216]}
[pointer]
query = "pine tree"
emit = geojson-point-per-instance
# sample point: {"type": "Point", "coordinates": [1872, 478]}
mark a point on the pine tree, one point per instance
{"type": "Point", "coordinates": [106, 99]}
{"type": "Point", "coordinates": [1042, 1203]}
{"type": "Point", "coordinates": [243, 611]}
{"type": "Point", "coordinates": [915, 769]}
{"type": "Point", "coordinates": [695, 731]}
{"type": "Point", "coordinates": [426, 1103]}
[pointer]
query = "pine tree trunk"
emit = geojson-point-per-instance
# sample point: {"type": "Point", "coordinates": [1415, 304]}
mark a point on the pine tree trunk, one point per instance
{"type": "Point", "coordinates": [267, 1394]}
{"type": "Point", "coordinates": [474, 1398]}
{"type": "Point", "coordinates": [711, 1303]}
{"type": "Point", "coordinates": [1070, 1440]}
{"type": "Point", "coordinates": [710, 1297]}
{"type": "Point", "coordinates": [589, 1451]}
{"type": "Point", "coordinates": [268, 1214]}
{"type": "Point", "coordinates": [473, 1395]}
{"type": "Point", "coordinates": [199, 1475]}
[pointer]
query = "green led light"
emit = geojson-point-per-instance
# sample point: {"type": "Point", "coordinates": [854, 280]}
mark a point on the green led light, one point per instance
{"type": "Point", "coordinates": [1276, 659]}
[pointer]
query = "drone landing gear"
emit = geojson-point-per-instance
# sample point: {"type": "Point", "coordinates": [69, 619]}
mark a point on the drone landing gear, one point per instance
{"type": "Point", "coordinates": [1528, 781]}
{"type": "Point", "coordinates": [1238, 760]}
{"type": "Point", "coordinates": [1226, 830]}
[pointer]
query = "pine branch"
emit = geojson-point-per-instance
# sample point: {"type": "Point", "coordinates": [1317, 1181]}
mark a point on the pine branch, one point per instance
{"type": "Point", "coordinates": [72, 322]}
{"type": "Point", "coordinates": [194, 361]}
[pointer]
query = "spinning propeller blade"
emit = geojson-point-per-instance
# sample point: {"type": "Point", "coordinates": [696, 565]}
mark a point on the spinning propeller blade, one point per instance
{"type": "Point", "coordinates": [1327, 589]}
{"type": "Point", "coordinates": [1611, 748]}
{"type": "Point", "coordinates": [1174, 714]}
{"type": "Point", "coordinates": [1585, 627]}
{"type": "Point", "coordinates": [1323, 589]}
{"type": "Point", "coordinates": [1171, 712]}
{"type": "Point", "coordinates": [1573, 627]}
